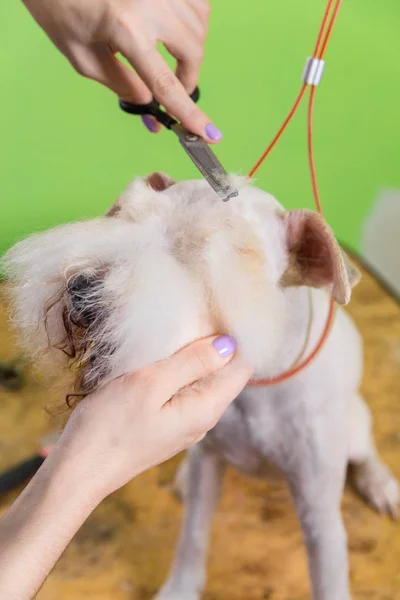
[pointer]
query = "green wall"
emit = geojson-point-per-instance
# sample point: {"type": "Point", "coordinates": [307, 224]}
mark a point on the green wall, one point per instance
{"type": "Point", "coordinates": [67, 151]}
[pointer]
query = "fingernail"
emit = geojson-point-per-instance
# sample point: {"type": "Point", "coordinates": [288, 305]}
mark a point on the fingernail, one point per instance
{"type": "Point", "coordinates": [225, 345]}
{"type": "Point", "coordinates": [213, 133]}
{"type": "Point", "coordinates": [149, 123]}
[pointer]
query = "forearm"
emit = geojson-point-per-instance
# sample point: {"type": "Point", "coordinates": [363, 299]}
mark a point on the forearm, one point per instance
{"type": "Point", "coordinates": [126, 427]}
{"type": "Point", "coordinates": [39, 525]}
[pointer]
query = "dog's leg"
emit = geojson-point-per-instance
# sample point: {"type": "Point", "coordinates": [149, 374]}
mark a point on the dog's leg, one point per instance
{"type": "Point", "coordinates": [188, 573]}
{"type": "Point", "coordinates": [180, 485]}
{"type": "Point", "coordinates": [372, 479]}
{"type": "Point", "coordinates": [316, 478]}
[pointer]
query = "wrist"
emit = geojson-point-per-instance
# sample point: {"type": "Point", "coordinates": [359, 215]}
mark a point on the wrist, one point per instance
{"type": "Point", "coordinates": [72, 477]}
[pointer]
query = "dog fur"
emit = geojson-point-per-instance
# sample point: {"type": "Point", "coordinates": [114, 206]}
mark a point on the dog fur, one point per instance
{"type": "Point", "coordinates": [170, 263]}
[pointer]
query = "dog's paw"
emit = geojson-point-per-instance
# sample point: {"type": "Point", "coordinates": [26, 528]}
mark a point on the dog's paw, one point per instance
{"type": "Point", "coordinates": [375, 482]}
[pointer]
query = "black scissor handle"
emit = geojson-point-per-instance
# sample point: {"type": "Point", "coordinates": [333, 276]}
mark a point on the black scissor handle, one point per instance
{"type": "Point", "coordinates": [195, 95]}
{"type": "Point", "coordinates": [140, 109]}
{"type": "Point", "coordinates": [153, 109]}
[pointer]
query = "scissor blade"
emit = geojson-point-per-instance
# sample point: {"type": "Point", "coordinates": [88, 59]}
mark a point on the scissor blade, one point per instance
{"type": "Point", "coordinates": [206, 161]}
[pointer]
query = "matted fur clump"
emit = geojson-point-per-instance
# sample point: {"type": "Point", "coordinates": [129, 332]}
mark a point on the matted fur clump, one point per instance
{"type": "Point", "coordinates": [169, 263]}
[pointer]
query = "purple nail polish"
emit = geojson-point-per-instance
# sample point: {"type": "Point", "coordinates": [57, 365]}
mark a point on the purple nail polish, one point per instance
{"type": "Point", "coordinates": [213, 133]}
{"type": "Point", "coordinates": [225, 345]}
{"type": "Point", "coordinates": [149, 123]}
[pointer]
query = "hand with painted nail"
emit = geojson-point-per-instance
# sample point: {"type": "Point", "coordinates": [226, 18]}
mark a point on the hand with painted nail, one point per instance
{"type": "Point", "coordinates": [91, 34]}
{"type": "Point", "coordinates": [131, 424]}
{"type": "Point", "coordinates": [142, 419]}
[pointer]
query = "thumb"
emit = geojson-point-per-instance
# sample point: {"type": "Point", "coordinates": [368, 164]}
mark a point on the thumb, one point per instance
{"type": "Point", "coordinates": [203, 405]}
{"type": "Point", "coordinates": [195, 361]}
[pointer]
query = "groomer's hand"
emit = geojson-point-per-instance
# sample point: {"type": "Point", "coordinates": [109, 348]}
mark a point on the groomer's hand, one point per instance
{"type": "Point", "coordinates": [140, 420]}
{"type": "Point", "coordinates": [131, 424]}
{"type": "Point", "coordinates": [91, 32]}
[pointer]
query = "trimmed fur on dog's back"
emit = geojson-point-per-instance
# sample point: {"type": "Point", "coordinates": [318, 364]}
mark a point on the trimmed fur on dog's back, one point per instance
{"type": "Point", "coordinates": [112, 294]}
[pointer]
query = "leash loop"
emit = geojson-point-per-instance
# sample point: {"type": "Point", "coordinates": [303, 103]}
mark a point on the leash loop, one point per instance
{"type": "Point", "coordinates": [311, 77]}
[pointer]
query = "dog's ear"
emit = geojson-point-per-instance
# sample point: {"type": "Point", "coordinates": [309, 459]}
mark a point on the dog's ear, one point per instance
{"type": "Point", "coordinates": [58, 298]}
{"type": "Point", "coordinates": [315, 257]}
{"type": "Point", "coordinates": [157, 181]}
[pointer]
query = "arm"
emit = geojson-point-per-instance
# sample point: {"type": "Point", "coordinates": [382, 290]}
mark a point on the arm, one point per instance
{"type": "Point", "coordinates": [130, 425]}
{"type": "Point", "coordinates": [40, 524]}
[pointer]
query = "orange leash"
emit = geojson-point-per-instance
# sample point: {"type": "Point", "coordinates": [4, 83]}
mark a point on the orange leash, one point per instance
{"type": "Point", "coordinates": [311, 77]}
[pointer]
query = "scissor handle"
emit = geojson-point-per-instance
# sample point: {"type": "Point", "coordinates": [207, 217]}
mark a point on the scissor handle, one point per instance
{"type": "Point", "coordinates": [153, 109]}
{"type": "Point", "coordinates": [140, 109]}
{"type": "Point", "coordinates": [195, 95]}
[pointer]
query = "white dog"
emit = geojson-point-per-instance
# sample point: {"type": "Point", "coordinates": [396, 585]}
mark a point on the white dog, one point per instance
{"type": "Point", "coordinates": [170, 263]}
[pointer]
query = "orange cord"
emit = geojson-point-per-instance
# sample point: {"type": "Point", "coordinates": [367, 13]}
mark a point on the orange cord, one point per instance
{"type": "Point", "coordinates": [330, 28]}
{"type": "Point", "coordinates": [321, 29]}
{"type": "Point", "coordinates": [311, 160]}
{"type": "Point", "coordinates": [319, 52]}
{"type": "Point", "coordinates": [280, 132]}
{"type": "Point", "coordinates": [292, 372]}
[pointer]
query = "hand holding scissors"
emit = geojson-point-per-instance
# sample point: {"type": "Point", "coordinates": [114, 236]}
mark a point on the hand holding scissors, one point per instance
{"type": "Point", "coordinates": [94, 35]}
{"type": "Point", "coordinates": [197, 149]}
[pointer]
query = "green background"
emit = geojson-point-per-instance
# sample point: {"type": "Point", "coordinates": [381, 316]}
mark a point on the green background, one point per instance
{"type": "Point", "coordinates": [67, 150]}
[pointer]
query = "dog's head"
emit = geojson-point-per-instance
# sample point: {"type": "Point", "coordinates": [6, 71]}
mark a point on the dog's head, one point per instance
{"type": "Point", "coordinates": [168, 264]}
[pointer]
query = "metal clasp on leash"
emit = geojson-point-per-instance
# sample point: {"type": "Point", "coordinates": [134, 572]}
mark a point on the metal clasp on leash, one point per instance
{"type": "Point", "coordinates": [313, 71]}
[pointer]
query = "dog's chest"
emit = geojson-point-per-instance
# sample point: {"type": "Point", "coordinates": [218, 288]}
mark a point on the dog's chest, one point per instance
{"type": "Point", "coordinates": [254, 435]}
{"type": "Point", "coordinates": [278, 424]}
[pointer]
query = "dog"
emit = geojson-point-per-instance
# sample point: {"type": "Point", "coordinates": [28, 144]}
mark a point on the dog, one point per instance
{"type": "Point", "coordinates": [169, 263]}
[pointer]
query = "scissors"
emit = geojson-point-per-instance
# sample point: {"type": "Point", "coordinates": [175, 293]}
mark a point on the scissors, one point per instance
{"type": "Point", "coordinates": [197, 149]}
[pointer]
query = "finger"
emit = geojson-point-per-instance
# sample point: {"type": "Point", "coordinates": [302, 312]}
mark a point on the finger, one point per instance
{"type": "Point", "coordinates": [191, 20]}
{"type": "Point", "coordinates": [194, 362]}
{"type": "Point", "coordinates": [202, 8]}
{"type": "Point", "coordinates": [151, 123]}
{"type": "Point", "coordinates": [188, 63]}
{"type": "Point", "coordinates": [188, 74]}
{"type": "Point", "coordinates": [100, 64]}
{"type": "Point", "coordinates": [167, 88]}
{"type": "Point", "coordinates": [204, 403]}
